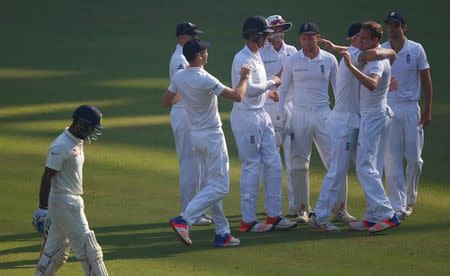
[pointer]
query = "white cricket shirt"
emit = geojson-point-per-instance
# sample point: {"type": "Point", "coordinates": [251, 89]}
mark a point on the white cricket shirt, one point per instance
{"type": "Point", "coordinates": [309, 78]}
{"type": "Point", "coordinates": [65, 155]}
{"type": "Point", "coordinates": [347, 85]}
{"type": "Point", "coordinates": [257, 83]}
{"type": "Point", "coordinates": [199, 91]}
{"type": "Point", "coordinates": [410, 61]}
{"type": "Point", "coordinates": [274, 60]}
{"type": "Point", "coordinates": [375, 102]}
{"type": "Point", "coordinates": [177, 62]}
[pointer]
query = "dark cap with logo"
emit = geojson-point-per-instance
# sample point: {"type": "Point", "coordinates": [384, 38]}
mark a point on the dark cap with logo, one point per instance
{"type": "Point", "coordinates": [88, 114]}
{"type": "Point", "coordinates": [395, 16]}
{"type": "Point", "coordinates": [308, 28]}
{"type": "Point", "coordinates": [354, 29]}
{"type": "Point", "coordinates": [187, 28]}
{"type": "Point", "coordinates": [193, 47]}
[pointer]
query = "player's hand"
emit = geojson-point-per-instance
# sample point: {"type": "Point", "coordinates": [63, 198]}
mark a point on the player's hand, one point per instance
{"type": "Point", "coordinates": [276, 80]}
{"type": "Point", "coordinates": [274, 96]}
{"type": "Point", "coordinates": [279, 74]}
{"type": "Point", "coordinates": [393, 85]}
{"type": "Point", "coordinates": [425, 118]}
{"type": "Point", "coordinates": [347, 59]}
{"type": "Point", "coordinates": [245, 71]}
{"type": "Point", "coordinates": [40, 220]}
{"type": "Point", "coordinates": [392, 57]}
{"type": "Point", "coordinates": [326, 44]}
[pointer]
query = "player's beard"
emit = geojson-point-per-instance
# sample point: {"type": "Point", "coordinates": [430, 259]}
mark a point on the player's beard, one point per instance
{"type": "Point", "coordinates": [276, 37]}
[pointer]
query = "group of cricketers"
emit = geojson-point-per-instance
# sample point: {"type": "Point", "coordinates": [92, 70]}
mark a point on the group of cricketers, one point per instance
{"type": "Point", "coordinates": [280, 100]}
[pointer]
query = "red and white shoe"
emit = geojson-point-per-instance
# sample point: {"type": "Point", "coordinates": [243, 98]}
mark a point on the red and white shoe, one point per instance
{"type": "Point", "coordinates": [180, 226]}
{"type": "Point", "coordinates": [385, 224]}
{"type": "Point", "coordinates": [281, 223]}
{"type": "Point", "coordinates": [256, 227]}
{"type": "Point", "coordinates": [361, 225]}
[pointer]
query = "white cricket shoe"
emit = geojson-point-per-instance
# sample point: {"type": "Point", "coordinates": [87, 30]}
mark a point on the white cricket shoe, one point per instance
{"type": "Point", "coordinates": [323, 225]}
{"type": "Point", "coordinates": [344, 216]}
{"type": "Point", "coordinates": [281, 223]}
{"type": "Point", "coordinates": [302, 217]}
{"type": "Point", "coordinates": [400, 215]}
{"type": "Point", "coordinates": [202, 222]}
{"type": "Point", "coordinates": [409, 210]}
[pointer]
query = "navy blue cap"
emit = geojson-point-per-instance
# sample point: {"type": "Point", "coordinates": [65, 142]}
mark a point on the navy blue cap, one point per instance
{"type": "Point", "coordinates": [396, 17]}
{"type": "Point", "coordinates": [354, 29]}
{"type": "Point", "coordinates": [308, 28]}
{"type": "Point", "coordinates": [187, 28]}
{"type": "Point", "coordinates": [193, 47]}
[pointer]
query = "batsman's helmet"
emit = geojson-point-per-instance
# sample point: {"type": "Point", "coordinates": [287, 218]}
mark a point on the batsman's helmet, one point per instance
{"type": "Point", "coordinates": [90, 122]}
{"type": "Point", "coordinates": [255, 26]}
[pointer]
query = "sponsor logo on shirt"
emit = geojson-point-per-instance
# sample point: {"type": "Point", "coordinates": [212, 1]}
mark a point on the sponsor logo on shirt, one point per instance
{"type": "Point", "coordinates": [300, 70]}
{"type": "Point", "coordinates": [53, 153]}
{"type": "Point", "coordinates": [270, 61]}
{"type": "Point", "coordinates": [252, 139]}
{"type": "Point", "coordinates": [180, 67]}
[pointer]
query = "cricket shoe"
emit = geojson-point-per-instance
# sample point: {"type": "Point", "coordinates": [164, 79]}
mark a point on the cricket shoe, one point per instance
{"type": "Point", "coordinates": [400, 215]}
{"type": "Point", "coordinates": [323, 225]}
{"type": "Point", "coordinates": [226, 240]}
{"type": "Point", "coordinates": [361, 225]}
{"type": "Point", "coordinates": [385, 224]}
{"type": "Point", "coordinates": [256, 227]}
{"type": "Point", "coordinates": [303, 216]}
{"type": "Point", "coordinates": [201, 221]}
{"type": "Point", "coordinates": [281, 223]}
{"type": "Point", "coordinates": [344, 216]}
{"type": "Point", "coordinates": [409, 210]}
{"type": "Point", "coordinates": [180, 226]}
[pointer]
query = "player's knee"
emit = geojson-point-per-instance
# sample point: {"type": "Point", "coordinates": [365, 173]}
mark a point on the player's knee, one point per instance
{"type": "Point", "coordinates": [300, 164]}
{"type": "Point", "coordinates": [93, 261]}
{"type": "Point", "coordinates": [51, 260]}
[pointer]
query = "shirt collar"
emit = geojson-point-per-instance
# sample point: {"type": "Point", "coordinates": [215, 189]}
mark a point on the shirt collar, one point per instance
{"type": "Point", "coordinates": [406, 46]}
{"type": "Point", "coordinates": [73, 138]}
{"type": "Point", "coordinates": [250, 52]}
{"type": "Point", "coordinates": [179, 49]}
{"type": "Point", "coordinates": [318, 57]}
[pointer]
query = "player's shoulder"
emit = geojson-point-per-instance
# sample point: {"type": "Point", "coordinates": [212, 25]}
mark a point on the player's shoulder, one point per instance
{"type": "Point", "coordinates": [61, 145]}
{"type": "Point", "coordinates": [415, 46]}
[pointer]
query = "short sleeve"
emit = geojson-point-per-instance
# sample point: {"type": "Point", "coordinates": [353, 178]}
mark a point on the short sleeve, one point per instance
{"type": "Point", "coordinates": [212, 84]}
{"type": "Point", "coordinates": [172, 88]}
{"type": "Point", "coordinates": [375, 68]}
{"type": "Point", "coordinates": [422, 59]}
{"type": "Point", "coordinates": [56, 157]}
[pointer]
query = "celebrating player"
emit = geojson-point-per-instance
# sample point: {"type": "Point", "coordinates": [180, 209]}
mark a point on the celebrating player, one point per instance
{"type": "Point", "coordinates": [60, 192]}
{"type": "Point", "coordinates": [254, 134]}
{"type": "Point", "coordinates": [405, 136]}
{"type": "Point", "coordinates": [375, 119]}
{"type": "Point", "coordinates": [190, 173]}
{"type": "Point", "coordinates": [199, 91]}
{"type": "Point", "coordinates": [274, 55]}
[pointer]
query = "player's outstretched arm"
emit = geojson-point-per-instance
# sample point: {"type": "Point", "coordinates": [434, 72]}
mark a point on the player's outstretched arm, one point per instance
{"type": "Point", "coordinates": [238, 93]}
{"type": "Point", "coordinates": [370, 82]}
{"type": "Point", "coordinates": [330, 46]}
{"type": "Point", "coordinates": [377, 54]}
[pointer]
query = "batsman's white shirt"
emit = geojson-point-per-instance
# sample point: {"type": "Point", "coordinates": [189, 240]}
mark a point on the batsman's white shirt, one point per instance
{"type": "Point", "coordinates": [198, 89]}
{"type": "Point", "coordinates": [177, 62]}
{"type": "Point", "coordinates": [410, 61]}
{"type": "Point", "coordinates": [310, 78]}
{"type": "Point", "coordinates": [66, 156]}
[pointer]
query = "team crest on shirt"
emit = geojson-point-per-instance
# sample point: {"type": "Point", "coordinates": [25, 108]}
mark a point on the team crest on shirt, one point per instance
{"type": "Point", "coordinates": [322, 69]}
{"type": "Point", "coordinates": [408, 58]}
{"type": "Point", "coordinates": [76, 151]}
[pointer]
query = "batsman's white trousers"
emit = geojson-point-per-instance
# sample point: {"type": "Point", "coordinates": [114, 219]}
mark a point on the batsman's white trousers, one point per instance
{"type": "Point", "coordinates": [255, 139]}
{"type": "Point", "coordinates": [211, 150]}
{"type": "Point", "coordinates": [343, 132]}
{"type": "Point", "coordinates": [369, 164]}
{"type": "Point", "coordinates": [272, 110]}
{"type": "Point", "coordinates": [68, 222]}
{"type": "Point", "coordinates": [404, 142]}
{"type": "Point", "coordinates": [189, 167]}
{"type": "Point", "coordinates": [308, 125]}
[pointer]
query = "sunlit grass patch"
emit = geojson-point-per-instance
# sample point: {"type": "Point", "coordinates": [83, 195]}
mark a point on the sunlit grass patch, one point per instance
{"type": "Point", "coordinates": [25, 73]}
{"type": "Point", "coordinates": [147, 83]}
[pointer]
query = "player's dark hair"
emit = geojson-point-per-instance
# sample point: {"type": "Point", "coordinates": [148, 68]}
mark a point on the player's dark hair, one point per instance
{"type": "Point", "coordinates": [376, 30]}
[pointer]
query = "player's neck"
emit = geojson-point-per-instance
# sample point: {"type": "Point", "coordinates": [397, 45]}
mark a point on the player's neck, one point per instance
{"type": "Point", "coordinates": [253, 47]}
{"type": "Point", "coordinates": [397, 43]}
{"type": "Point", "coordinates": [311, 53]}
{"type": "Point", "coordinates": [74, 131]}
{"type": "Point", "coordinates": [277, 46]}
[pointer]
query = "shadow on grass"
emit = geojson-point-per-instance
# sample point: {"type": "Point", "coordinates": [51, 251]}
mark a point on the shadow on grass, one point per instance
{"type": "Point", "coordinates": [156, 240]}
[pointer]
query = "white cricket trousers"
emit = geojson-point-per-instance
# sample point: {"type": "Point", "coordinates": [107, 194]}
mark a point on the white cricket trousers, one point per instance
{"type": "Point", "coordinates": [369, 164]}
{"type": "Point", "coordinates": [68, 222]}
{"type": "Point", "coordinates": [189, 167]}
{"type": "Point", "coordinates": [255, 139]}
{"type": "Point", "coordinates": [343, 132]}
{"type": "Point", "coordinates": [308, 125]}
{"type": "Point", "coordinates": [272, 109]}
{"type": "Point", "coordinates": [405, 142]}
{"type": "Point", "coordinates": [211, 150]}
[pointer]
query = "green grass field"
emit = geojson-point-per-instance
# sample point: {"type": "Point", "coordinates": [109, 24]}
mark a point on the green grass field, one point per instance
{"type": "Point", "coordinates": [55, 55]}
